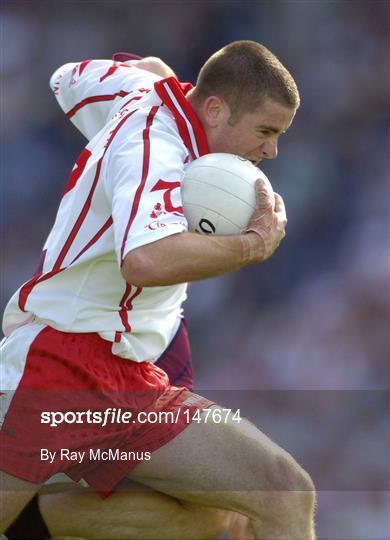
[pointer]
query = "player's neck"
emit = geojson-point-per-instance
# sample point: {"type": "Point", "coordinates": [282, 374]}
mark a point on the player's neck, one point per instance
{"type": "Point", "coordinates": [194, 102]}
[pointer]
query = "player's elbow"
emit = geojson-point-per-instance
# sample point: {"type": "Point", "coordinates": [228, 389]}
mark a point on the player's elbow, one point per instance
{"type": "Point", "coordinates": [138, 269]}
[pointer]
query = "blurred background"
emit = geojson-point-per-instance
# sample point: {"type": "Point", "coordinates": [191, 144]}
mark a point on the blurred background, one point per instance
{"type": "Point", "coordinates": [301, 343]}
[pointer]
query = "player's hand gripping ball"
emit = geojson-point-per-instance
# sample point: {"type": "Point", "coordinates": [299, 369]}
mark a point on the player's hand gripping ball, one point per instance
{"type": "Point", "coordinates": [219, 195]}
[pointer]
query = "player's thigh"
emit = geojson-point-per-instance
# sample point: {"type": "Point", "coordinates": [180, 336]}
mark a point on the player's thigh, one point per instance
{"type": "Point", "coordinates": [15, 494]}
{"type": "Point", "coordinates": [220, 464]}
{"type": "Point", "coordinates": [129, 515]}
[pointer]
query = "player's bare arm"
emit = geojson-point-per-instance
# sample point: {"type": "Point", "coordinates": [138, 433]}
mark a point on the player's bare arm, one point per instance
{"type": "Point", "coordinates": [190, 256]}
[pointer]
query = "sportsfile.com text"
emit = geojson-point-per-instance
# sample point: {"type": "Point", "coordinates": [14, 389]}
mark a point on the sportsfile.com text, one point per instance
{"type": "Point", "coordinates": [120, 416]}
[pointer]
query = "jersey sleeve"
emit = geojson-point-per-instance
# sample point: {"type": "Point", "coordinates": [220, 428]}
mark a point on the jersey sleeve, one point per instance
{"type": "Point", "coordinates": [143, 176]}
{"type": "Point", "coordinates": [88, 91]}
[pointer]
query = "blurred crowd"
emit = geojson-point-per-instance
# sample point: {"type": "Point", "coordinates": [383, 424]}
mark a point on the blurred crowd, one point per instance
{"type": "Point", "coordinates": [314, 317]}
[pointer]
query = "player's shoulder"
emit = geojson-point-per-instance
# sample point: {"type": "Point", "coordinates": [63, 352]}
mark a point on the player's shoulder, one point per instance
{"type": "Point", "coordinates": [148, 127]}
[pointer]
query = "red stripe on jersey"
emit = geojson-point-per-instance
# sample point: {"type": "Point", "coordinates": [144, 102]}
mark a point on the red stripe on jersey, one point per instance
{"type": "Point", "coordinates": [181, 124]}
{"type": "Point", "coordinates": [111, 70]}
{"type": "Point", "coordinates": [25, 290]}
{"type": "Point", "coordinates": [130, 100]}
{"type": "Point", "coordinates": [95, 99]}
{"type": "Point", "coordinates": [28, 287]}
{"type": "Point", "coordinates": [95, 238]}
{"type": "Point", "coordinates": [172, 94]}
{"type": "Point", "coordinates": [145, 171]}
{"type": "Point", "coordinates": [78, 169]}
{"type": "Point", "coordinates": [123, 310]}
{"type": "Point", "coordinates": [144, 90]}
{"type": "Point", "coordinates": [79, 221]}
{"type": "Point", "coordinates": [129, 303]}
{"type": "Point", "coordinates": [83, 65]}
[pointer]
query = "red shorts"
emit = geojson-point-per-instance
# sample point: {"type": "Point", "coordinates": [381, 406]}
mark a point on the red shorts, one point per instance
{"type": "Point", "coordinates": [81, 410]}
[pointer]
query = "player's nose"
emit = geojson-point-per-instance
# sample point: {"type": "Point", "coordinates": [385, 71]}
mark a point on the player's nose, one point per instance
{"type": "Point", "coordinates": [270, 149]}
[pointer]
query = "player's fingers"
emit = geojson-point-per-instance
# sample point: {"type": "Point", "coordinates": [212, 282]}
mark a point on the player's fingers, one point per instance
{"type": "Point", "coordinates": [263, 195]}
{"type": "Point", "coordinates": [280, 207]}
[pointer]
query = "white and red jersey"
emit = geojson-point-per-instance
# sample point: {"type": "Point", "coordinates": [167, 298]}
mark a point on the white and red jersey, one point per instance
{"type": "Point", "coordinates": [123, 192]}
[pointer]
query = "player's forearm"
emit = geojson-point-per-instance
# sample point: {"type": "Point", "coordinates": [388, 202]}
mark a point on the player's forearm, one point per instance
{"type": "Point", "coordinates": [189, 257]}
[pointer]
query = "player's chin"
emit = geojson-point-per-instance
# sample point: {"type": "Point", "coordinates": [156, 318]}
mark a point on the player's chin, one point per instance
{"type": "Point", "coordinates": [255, 161]}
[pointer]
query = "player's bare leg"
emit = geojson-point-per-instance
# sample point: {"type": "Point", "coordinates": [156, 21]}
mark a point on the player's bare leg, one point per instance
{"type": "Point", "coordinates": [131, 515]}
{"type": "Point", "coordinates": [132, 512]}
{"type": "Point", "coordinates": [14, 495]}
{"type": "Point", "coordinates": [238, 468]}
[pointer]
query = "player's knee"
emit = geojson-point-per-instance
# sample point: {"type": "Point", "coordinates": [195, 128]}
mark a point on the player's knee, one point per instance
{"type": "Point", "coordinates": [292, 490]}
{"type": "Point", "coordinates": [271, 467]}
{"type": "Point", "coordinates": [288, 475]}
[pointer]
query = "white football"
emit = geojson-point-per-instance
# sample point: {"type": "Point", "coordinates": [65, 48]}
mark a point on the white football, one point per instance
{"type": "Point", "coordinates": [218, 193]}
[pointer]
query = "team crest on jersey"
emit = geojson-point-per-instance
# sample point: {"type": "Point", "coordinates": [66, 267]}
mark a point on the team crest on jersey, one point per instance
{"type": "Point", "coordinates": [166, 206]}
{"type": "Point", "coordinates": [157, 211]}
{"type": "Point", "coordinates": [167, 187]}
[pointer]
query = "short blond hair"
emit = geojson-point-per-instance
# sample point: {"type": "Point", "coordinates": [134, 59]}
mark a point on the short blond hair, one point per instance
{"type": "Point", "coordinates": [243, 73]}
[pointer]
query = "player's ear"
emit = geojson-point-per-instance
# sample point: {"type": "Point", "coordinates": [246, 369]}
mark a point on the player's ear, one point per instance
{"type": "Point", "coordinates": [215, 111]}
